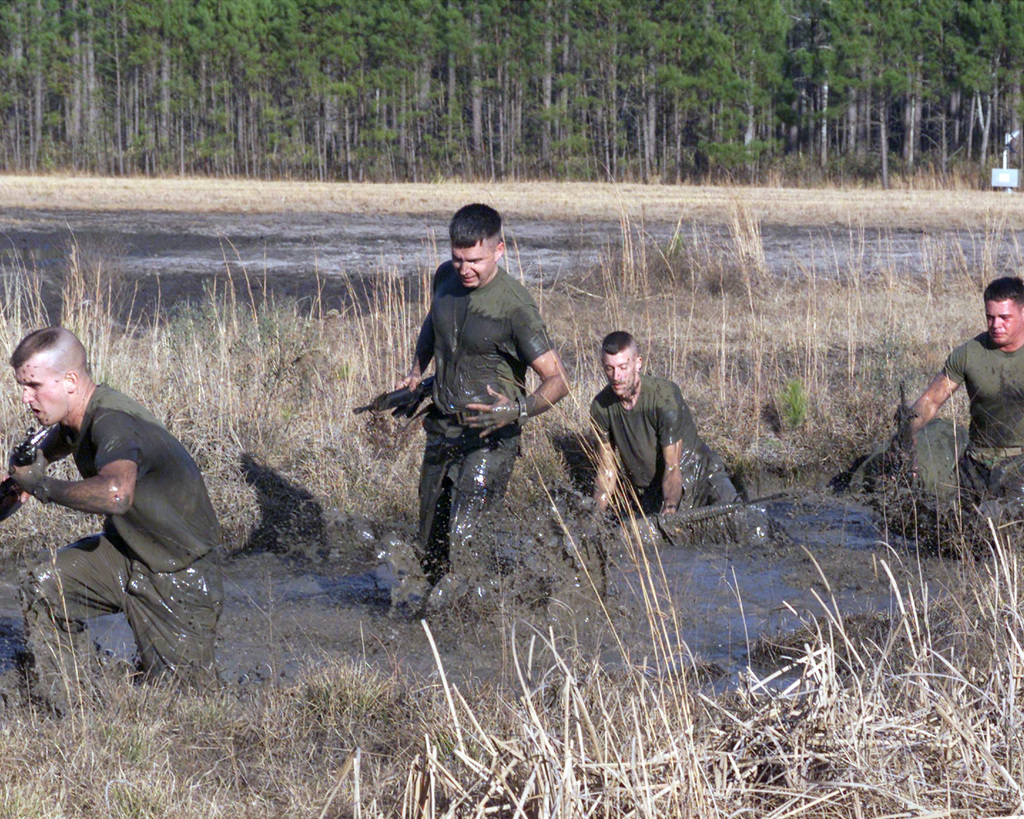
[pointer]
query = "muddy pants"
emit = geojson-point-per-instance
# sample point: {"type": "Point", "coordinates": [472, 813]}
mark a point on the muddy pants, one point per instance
{"type": "Point", "coordinates": [173, 616]}
{"type": "Point", "coordinates": [996, 478]}
{"type": "Point", "coordinates": [705, 483]}
{"type": "Point", "coordinates": [460, 480]}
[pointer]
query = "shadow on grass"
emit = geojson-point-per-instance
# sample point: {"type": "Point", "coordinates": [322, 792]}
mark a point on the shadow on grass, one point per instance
{"type": "Point", "coordinates": [291, 518]}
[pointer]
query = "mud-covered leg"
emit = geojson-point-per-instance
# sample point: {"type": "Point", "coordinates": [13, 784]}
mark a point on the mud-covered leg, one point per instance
{"type": "Point", "coordinates": [479, 485]}
{"type": "Point", "coordinates": [173, 616]}
{"type": "Point", "coordinates": [435, 509]}
{"type": "Point", "coordinates": [86, 579]}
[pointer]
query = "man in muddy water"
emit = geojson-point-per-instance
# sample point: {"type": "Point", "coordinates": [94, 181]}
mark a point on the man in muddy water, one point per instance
{"type": "Point", "coordinates": [992, 366]}
{"type": "Point", "coordinates": [646, 421]}
{"type": "Point", "coordinates": [483, 331]}
{"type": "Point", "coordinates": [151, 560]}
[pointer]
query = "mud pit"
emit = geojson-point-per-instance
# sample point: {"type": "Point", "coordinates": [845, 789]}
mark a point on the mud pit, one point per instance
{"type": "Point", "coordinates": [286, 613]}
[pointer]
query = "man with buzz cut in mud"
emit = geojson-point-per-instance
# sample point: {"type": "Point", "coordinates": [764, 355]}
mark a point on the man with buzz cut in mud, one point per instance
{"type": "Point", "coordinates": [645, 421]}
{"type": "Point", "coordinates": [151, 559]}
{"type": "Point", "coordinates": [483, 332]}
{"type": "Point", "coordinates": [991, 365]}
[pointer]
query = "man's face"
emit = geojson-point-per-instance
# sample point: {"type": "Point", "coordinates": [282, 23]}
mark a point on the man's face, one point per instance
{"type": "Point", "coordinates": [478, 264]}
{"type": "Point", "coordinates": [46, 391]}
{"type": "Point", "coordinates": [1005, 324]}
{"type": "Point", "coordinates": [623, 373]}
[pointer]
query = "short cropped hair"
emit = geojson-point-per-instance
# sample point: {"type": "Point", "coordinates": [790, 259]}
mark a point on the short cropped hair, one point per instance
{"type": "Point", "coordinates": [47, 340]}
{"type": "Point", "coordinates": [473, 224]}
{"type": "Point", "coordinates": [615, 343]}
{"type": "Point", "coordinates": [1008, 287]}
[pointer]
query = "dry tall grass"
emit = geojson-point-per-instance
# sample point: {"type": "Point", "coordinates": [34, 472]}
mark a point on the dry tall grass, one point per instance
{"type": "Point", "coordinates": [913, 714]}
{"type": "Point", "coordinates": [923, 206]}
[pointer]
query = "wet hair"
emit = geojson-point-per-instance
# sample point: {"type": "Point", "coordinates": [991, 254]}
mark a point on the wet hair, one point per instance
{"type": "Point", "coordinates": [615, 343]}
{"type": "Point", "coordinates": [63, 343]}
{"type": "Point", "coordinates": [473, 224]}
{"type": "Point", "coordinates": [1008, 287]}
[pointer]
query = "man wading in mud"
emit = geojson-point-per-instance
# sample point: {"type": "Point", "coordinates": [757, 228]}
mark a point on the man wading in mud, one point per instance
{"type": "Point", "coordinates": [482, 332]}
{"type": "Point", "coordinates": [646, 420]}
{"type": "Point", "coordinates": [150, 560]}
{"type": "Point", "coordinates": [992, 367]}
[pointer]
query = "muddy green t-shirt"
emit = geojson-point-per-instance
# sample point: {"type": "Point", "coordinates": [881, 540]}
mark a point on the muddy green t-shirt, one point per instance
{"type": "Point", "coordinates": [171, 522]}
{"type": "Point", "coordinates": [995, 387]}
{"type": "Point", "coordinates": [482, 336]}
{"type": "Point", "coordinates": [659, 418]}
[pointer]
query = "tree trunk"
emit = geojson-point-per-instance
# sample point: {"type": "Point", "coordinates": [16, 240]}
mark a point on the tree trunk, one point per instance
{"type": "Point", "coordinates": [823, 128]}
{"type": "Point", "coordinates": [476, 94]}
{"type": "Point", "coordinates": [883, 137]}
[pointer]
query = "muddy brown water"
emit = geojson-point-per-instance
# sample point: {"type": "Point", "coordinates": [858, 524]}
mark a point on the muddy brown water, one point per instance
{"type": "Point", "coordinates": [285, 613]}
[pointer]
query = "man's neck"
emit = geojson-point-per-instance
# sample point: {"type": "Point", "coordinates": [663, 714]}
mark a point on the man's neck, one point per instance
{"type": "Point", "coordinates": [630, 402]}
{"type": "Point", "coordinates": [76, 416]}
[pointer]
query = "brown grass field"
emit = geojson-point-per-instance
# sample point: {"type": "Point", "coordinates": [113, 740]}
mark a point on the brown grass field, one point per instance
{"type": "Point", "coordinates": [854, 207]}
{"type": "Point", "coordinates": [918, 714]}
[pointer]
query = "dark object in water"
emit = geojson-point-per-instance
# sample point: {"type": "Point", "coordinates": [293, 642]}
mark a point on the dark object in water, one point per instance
{"type": "Point", "coordinates": [403, 403]}
{"type": "Point", "coordinates": [745, 523]}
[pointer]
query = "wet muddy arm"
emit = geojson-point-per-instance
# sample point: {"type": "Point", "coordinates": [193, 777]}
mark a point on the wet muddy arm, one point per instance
{"type": "Point", "coordinates": [927, 406]}
{"type": "Point", "coordinates": [553, 387]}
{"type": "Point", "coordinates": [111, 492]}
{"type": "Point", "coordinates": [672, 481]}
{"type": "Point", "coordinates": [607, 475]}
{"type": "Point", "coordinates": [424, 353]}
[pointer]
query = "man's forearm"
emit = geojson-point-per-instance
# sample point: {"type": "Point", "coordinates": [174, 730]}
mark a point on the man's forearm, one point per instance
{"type": "Point", "coordinates": [607, 475]}
{"type": "Point", "coordinates": [671, 489]}
{"type": "Point", "coordinates": [98, 495]}
{"type": "Point", "coordinates": [549, 392]}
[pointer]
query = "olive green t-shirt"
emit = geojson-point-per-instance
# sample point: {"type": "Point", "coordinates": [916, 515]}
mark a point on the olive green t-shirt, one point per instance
{"type": "Point", "coordinates": [995, 387]}
{"type": "Point", "coordinates": [482, 336]}
{"type": "Point", "coordinates": [659, 418]}
{"type": "Point", "coordinates": [171, 522]}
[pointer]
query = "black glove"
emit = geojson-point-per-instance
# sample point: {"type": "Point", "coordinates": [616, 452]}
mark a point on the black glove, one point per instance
{"type": "Point", "coordinates": [32, 478]}
{"type": "Point", "coordinates": [499, 415]}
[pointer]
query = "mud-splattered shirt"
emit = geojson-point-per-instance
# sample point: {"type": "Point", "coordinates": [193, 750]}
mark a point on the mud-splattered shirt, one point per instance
{"type": "Point", "coordinates": [171, 522]}
{"type": "Point", "coordinates": [659, 418]}
{"type": "Point", "coordinates": [482, 336]}
{"type": "Point", "coordinates": [995, 387]}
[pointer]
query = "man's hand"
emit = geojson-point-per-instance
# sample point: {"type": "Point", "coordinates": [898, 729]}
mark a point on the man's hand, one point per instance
{"type": "Point", "coordinates": [411, 381]}
{"type": "Point", "coordinates": [501, 413]}
{"type": "Point", "coordinates": [31, 477]}
{"type": "Point", "coordinates": [11, 498]}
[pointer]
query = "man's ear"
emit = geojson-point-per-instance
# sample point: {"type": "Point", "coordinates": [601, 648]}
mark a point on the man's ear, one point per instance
{"type": "Point", "coordinates": [72, 381]}
{"type": "Point", "coordinates": [639, 363]}
{"type": "Point", "coordinates": [499, 250]}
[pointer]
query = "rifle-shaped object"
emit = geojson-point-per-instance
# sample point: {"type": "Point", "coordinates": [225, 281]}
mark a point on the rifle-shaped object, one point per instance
{"type": "Point", "coordinates": [402, 403]}
{"type": "Point", "coordinates": [24, 454]}
{"type": "Point", "coordinates": [901, 448]}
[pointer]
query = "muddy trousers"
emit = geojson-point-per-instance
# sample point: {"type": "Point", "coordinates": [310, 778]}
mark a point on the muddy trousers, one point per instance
{"type": "Point", "coordinates": [459, 485]}
{"type": "Point", "coordinates": [173, 617]}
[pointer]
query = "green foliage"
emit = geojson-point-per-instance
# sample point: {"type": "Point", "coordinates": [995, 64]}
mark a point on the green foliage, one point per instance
{"type": "Point", "coordinates": [575, 88]}
{"type": "Point", "coordinates": [793, 404]}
